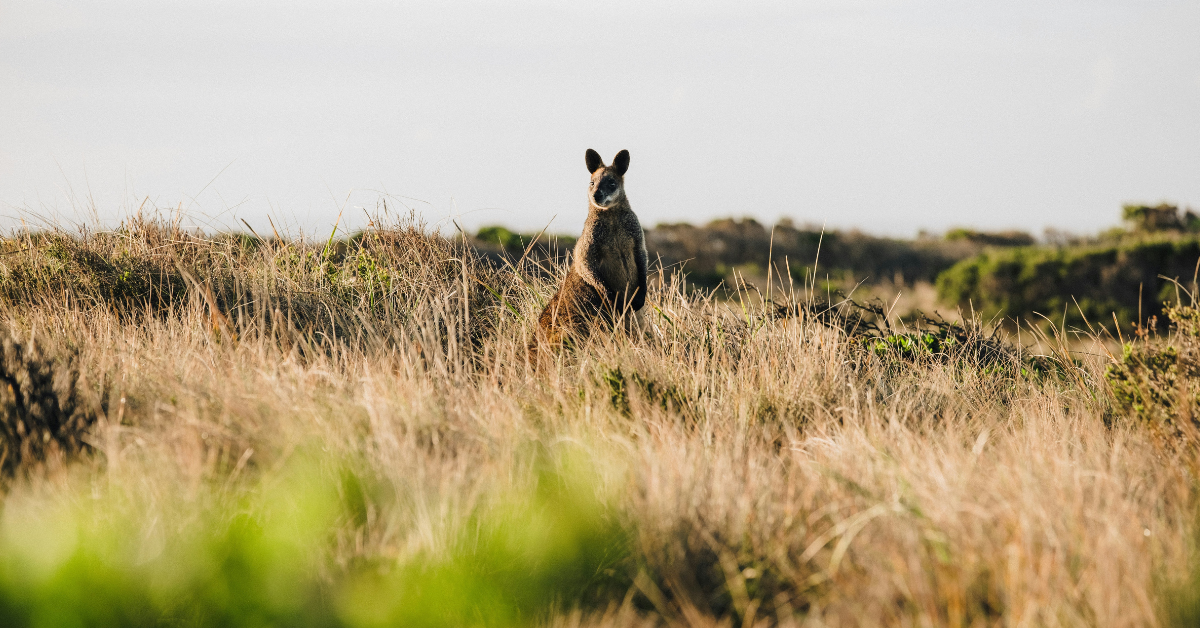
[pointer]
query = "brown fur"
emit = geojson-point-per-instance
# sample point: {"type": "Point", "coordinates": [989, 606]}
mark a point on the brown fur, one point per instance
{"type": "Point", "coordinates": [607, 278]}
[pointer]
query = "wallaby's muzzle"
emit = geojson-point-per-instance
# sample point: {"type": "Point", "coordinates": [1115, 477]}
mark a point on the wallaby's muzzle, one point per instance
{"type": "Point", "coordinates": [606, 191]}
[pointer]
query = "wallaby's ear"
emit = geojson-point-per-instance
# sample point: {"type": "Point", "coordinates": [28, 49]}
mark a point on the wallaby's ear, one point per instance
{"type": "Point", "coordinates": [593, 160]}
{"type": "Point", "coordinates": [621, 162]}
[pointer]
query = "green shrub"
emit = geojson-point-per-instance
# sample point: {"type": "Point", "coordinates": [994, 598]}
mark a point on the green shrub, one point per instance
{"type": "Point", "coordinates": [43, 410]}
{"type": "Point", "coordinates": [1158, 380]}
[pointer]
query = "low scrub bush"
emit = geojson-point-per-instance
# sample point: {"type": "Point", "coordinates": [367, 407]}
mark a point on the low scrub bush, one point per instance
{"type": "Point", "coordinates": [45, 413]}
{"type": "Point", "coordinates": [1157, 379]}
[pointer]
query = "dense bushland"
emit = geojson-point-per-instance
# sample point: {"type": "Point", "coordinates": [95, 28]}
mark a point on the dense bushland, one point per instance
{"type": "Point", "coordinates": [268, 432]}
{"type": "Point", "coordinates": [1119, 279]}
{"type": "Point", "coordinates": [1125, 281]}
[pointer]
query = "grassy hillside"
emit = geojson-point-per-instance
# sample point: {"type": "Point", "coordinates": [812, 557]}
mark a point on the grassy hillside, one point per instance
{"type": "Point", "coordinates": [219, 430]}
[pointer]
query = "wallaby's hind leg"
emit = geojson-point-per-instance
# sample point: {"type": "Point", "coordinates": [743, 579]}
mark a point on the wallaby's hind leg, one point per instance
{"type": "Point", "coordinates": [569, 315]}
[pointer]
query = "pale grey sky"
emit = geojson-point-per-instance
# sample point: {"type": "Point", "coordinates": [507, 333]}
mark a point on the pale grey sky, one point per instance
{"type": "Point", "coordinates": [886, 115]}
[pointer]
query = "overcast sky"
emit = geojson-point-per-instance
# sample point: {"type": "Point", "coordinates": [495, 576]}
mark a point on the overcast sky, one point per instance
{"type": "Point", "coordinates": [890, 116]}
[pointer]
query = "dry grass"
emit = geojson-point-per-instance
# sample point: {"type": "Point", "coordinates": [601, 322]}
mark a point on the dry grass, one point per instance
{"type": "Point", "coordinates": [741, 469]}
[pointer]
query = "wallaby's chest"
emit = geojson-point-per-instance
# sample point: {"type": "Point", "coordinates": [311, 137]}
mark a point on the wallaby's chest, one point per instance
{"type": "Point", "coordinates": [611, 256]}
{"type": "Point", "coordinates": [618, 268]}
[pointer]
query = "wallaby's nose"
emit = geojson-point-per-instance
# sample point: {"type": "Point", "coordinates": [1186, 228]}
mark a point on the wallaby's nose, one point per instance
{"type": "Point", "coordinates": [599, 196]}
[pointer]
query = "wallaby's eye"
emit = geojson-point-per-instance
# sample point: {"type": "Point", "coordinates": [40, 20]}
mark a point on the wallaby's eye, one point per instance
{"type": "Point", "coordinates": [592, 184]}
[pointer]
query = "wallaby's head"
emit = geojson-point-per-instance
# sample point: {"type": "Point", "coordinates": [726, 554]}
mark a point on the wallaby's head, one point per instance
{"type": "Point", "coordinates": [608, 182]}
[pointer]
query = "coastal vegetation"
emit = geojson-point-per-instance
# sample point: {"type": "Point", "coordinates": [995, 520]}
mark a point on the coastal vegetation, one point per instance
{"type": "Point", "coordinates": [227, 430]}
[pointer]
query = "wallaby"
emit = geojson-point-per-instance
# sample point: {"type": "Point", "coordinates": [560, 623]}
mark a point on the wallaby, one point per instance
{"type": "Point", "coordinates": [607, 278]}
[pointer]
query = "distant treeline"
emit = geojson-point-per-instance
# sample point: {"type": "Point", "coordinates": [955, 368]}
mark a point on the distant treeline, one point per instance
{"type": "Point", "coordinates": [1001, 275]}
{"type": "Point", "coordinates": [709, 254]}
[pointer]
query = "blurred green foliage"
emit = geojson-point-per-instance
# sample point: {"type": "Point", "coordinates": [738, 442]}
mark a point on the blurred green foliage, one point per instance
{"type": "Point", "coordinates": [1000, 238]}
{"type": "Point", "coordinates": [1179, 599]}
{"type": "Point", "coordinates": [265, 561]}
{"type": "Point", "coordinates": [515, 244]}
{"type": "Point", "coordinates": [505, 238]}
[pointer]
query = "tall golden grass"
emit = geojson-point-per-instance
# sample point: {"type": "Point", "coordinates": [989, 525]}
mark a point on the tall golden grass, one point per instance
{"type": "Point", "coordinates": [738, 467]}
